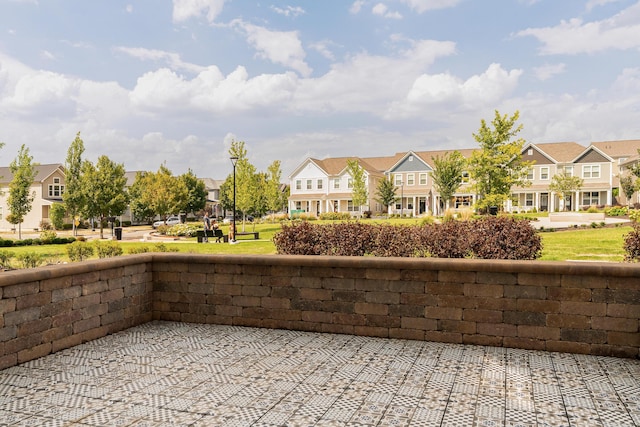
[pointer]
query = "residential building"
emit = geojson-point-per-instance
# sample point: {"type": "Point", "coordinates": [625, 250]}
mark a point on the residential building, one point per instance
{"type": "Point", "coordinates": [47, 188]}
{"type": "Point", "coordinates": [319, 186]}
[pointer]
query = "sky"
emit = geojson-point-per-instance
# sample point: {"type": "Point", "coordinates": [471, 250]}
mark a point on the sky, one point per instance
{"type": "Point", "coordinates": [152, 82]}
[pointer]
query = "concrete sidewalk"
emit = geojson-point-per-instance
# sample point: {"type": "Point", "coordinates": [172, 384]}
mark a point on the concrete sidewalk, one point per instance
{"type": "Point", "coordinates": [168, 374]}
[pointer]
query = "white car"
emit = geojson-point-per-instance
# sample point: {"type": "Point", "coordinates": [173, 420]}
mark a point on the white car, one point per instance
{"type": "Point", "coordinates": [172, 220]}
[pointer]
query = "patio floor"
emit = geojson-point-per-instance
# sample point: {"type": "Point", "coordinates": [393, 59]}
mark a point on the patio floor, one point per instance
{"type": "Point", "coordinates": [168, 374]}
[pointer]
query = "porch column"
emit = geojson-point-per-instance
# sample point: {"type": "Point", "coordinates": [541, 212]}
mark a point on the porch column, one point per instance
{"type": "Point", "coordinates": [576, 205]}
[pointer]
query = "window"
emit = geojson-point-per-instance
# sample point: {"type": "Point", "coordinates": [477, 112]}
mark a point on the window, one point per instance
{"type": "Point", "coordinates": [398, 179]}
{"type": "Point", "coordinates": [398, 206]}
{"type": "Point", "coordinates": [530, 152]}
{"type": "Point", "coordinates": [298, 205]}
{"type": "Point", "coordinates": [423, 179]}
{"type": "Point", "coordinates": [528, 199]}
{"type": "Point", "coordinates": [336, 183]}
{"type": "Point", "coordinates": [56, 189]}
{"type": "Point", "coordinates": [590, 198]}
{"type": "Point", "coordinates": [465, 177]}
{"type": "Point", "coordinates": [350, 183]}
{"type": "Point", "coordinates": [319, 184]}
{"type": "Point", "coordinates": [568, 170]}
{"type": "Point", "coordinates": [309, 184]}
{"type": "Point", "coordinates": [350, 206]}
{"type": "Point", "coordinates": [544, 173]}
{"type": "Point", "coordinates": [530, 174]}
{"type": "Point", "coordinates": [298, 184]}
{"type": "Point", "coordinates": [591, 171]}
{"type": "Point", "coordinates": [411, 179]}
{"type": "Point", "coordinates": [410, 205]}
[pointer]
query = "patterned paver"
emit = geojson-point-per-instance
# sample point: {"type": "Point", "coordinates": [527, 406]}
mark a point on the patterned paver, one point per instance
{"type": "Point", "coordinates": [168, 374]}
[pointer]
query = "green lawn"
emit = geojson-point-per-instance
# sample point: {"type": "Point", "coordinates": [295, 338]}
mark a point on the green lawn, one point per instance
{"type": "Point", "coordinates": [588, 244]}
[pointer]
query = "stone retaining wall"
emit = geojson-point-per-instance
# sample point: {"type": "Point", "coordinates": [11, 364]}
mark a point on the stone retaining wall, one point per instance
{"type": "Point", "coordinates": [48, 309]}
{"type": "Point", "coordinates": [591, 308]}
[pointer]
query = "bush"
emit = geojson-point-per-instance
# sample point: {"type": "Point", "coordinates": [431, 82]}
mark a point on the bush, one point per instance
{"type": "Point", "coordinates": [48, 236]}
{"type": "Point", "coordinates": [107, 249]}
{"type": "Point", "coordinates": [79, 251]}
{"type": "Point", "coordinates": [157, 247]}
{"type": "Point", "coordinates": [29, 259]}
{"type": "Point", "coordinates": [632, 244]}
{"type": "Point", "coordinates": [616, 211]}
{"type": "Point", "coordinates": [181, 230]}
{"type": "Point", "coordinates": [335, 216]}
{"type": "Point", "coordinates": [138, 250]}
{"type": "Point", "coordinates": [5, 259]}
{"type": "Point", "coordinates": [634, 215]}
{"type": "Point", "coordinates": [500, 237]}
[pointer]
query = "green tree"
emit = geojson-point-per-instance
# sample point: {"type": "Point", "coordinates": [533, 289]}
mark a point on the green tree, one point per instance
{"type": "Point", "coordinates": [103, 189]}
{"type": "Point", "coordinates": [273, 191]}
{"type": "Point", "coordinates": [359, 192]}
{"type": "Point", "coordinates": [162, 193]}
{"type": "Point", "coordinates": [565, 184]}
{"type": "Point", "coordinates": [137, 203]}
{"type": "Point", "coordinates": [386, 193]}
{"type": "Point", "coordinates": [57, 214]}
{"type": "Point", "coordinates": [261, 202]}
{"type": "Point", "coordinates": [498, 165]}
{"type": "Point", "coordinates": [20, 198]}
{"type": "Point", "coordinates": [246, 191]}
{"type": "Point", "coordinates": [628, 185]}
{"type": "Point", "coordinates": [73, 194]}
{"type": "Point", "coordinates": [196, 192]}
{"type": "Point", "coordinates": [447, 175]}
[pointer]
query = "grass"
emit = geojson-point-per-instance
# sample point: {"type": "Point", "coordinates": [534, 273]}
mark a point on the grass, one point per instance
{"type": "Point", "coordinates": [584, 244]}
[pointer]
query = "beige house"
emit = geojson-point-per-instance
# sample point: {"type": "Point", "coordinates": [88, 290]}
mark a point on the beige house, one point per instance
{"type": "Point", "coordinates": [319, 186]}
{"type": "Point", "coordinates": [47, 187]}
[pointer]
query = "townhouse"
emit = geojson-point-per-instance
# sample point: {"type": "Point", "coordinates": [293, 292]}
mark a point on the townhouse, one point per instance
{"type": "Point", "coordinates": [319, 186]}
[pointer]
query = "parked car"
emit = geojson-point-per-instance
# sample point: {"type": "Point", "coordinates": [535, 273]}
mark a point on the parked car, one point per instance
{"type": "Point", "coordinates": [172, 220]}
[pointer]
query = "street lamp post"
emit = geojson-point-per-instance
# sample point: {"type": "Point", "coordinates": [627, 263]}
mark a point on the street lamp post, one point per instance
{"type": "Point", "coordinates": [401, 200]}
{"type": "Point", "coordinates": [234, 161]}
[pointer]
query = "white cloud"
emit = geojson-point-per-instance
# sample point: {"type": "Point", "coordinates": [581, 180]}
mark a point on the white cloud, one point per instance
{"type": "Point", "coordinates": [48, 55]}
{"type": "Point", "coordinates": [129, 8]}
{"type": "Point", "coordinates": [547, 71]}
{"type": "Point", "coordinates": [289, 11]}
{"type": "Point", "coordinates": [323, 48]}
{"type": "Point", "coordinates": [381, 10]}
{"type": "Point", "coordinates": [445, 92]}
{"type": "Point", "coordinates": [170, 58]}
{"type": "Point", "coordinates": [356, 7]}
{"type": "Point", "coordinates": [185, 9]}
{"type": "Point", "coordinates": [622, 32]}
{"type": "Point", "coordinates": [279, 47]}
{"type": "Point", "coordinates": [421, 6]}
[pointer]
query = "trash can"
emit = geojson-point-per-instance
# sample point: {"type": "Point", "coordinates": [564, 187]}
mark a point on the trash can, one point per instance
{"type": "Point", "coordinates": [118, 231]}
{"type": "Point", "coordinates": [493, 210]}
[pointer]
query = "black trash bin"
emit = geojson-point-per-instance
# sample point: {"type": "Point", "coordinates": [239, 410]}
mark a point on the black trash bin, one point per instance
{"type": "Point", "coordinates": [118, 232]}
{"type": "Point", "coordinates": [493, 210]}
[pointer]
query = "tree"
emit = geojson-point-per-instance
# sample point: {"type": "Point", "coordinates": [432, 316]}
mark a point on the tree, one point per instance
{"type": "Point", "coordinates": [137, 203]}
{"type": "Point", "coordinates": [274, 194]}
{"type": "Point", "coordinates": [447, 175]}
{"type": "Point", "coordinates": [359, 192]}
{"type": "Point", "coordinates": [196, 192]}
{"type": "Point", "coordinates": [498, 165]}
{"type": "Point", "coordinates": [386, 193]}
{"type": "Point", "coordinates": [246, 191]}
{"type": "Point", "coordinates": [161, 193]}
{"type": "Point", "coordinates": [20, 199]}
{"type": "Point", "coordinates": [565, 185]}
{"type": "Point", "coordinates": [57, 214]}
{"type": "Point", "coordinates": [628, 185]}
{"type": "Point", "coordinates": [73, 195]}
{"type": "Point", "coordinates": [103, 189]}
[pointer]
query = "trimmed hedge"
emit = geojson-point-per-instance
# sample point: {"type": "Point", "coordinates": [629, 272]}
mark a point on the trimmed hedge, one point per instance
{"type": "Point", "coordinates": [500, 237]}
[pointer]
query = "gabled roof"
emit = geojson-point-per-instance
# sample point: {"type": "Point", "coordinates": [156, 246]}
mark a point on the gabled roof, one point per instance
{"type": "Point", "coordinates": [336, 165]}
{"type": "Point", "coordinates": [427, 156]}
{"type": "Point", "coordinates": [617, 149]}
{"type": "Point", "coordinates": [561, 152]}
{"type": "Point", "coordinates": [42, 172]}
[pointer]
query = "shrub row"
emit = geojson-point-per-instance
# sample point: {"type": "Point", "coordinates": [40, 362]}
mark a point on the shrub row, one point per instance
{"type": "Point", "coordinates": [499, 237]}
{"type": "Point", "coordinates": [6, 243]}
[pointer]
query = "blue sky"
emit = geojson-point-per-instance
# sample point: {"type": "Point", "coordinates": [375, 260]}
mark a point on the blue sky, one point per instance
{"type": "Point", "coordinates": [148, 82]}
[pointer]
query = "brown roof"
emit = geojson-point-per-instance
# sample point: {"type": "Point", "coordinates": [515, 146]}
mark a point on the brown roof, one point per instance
{"type": "Point", "coordinates": [562, 152]}
{"type": "Point", "coordinates": [616, 149]}
{"type": "Point", "coordinates": [427, 156]}
{"type": "Point", "coordinates": [42, 172]}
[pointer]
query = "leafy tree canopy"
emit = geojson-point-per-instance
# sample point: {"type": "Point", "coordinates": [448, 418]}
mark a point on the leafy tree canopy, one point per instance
{"type": "Point", "coordinates": [447, 175]}
{"type": "Point", "coordinates": [20, 198]}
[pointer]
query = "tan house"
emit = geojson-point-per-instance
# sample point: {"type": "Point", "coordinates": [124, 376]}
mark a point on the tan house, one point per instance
{"type": "Point", "coordinates": [48, 186]}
